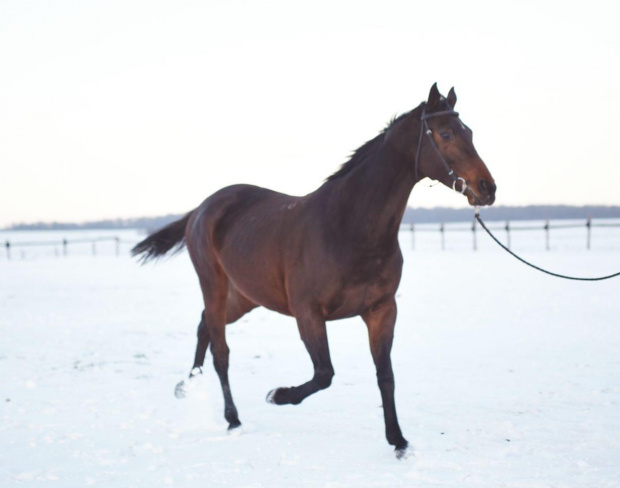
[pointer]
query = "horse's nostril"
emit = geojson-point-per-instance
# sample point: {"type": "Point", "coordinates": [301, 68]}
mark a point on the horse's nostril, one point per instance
{"type": "Point", "coordinates": [486, 187]}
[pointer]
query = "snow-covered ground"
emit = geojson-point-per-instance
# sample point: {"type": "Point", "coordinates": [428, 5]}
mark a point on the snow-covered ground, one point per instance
{"type": "Point", "coordinates": [504, 377]}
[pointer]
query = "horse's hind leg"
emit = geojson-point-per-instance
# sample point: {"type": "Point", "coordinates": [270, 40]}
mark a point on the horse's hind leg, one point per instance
{"type": "Point", "coordinates": [236, 307]}
{"type": "Point", "coordinates": [215, 293]}
{"type": "Point", "coordinates": [314, 335]}
{"type": "Point", "coordinates": [180, 390]}
{"type": "Point", "coordinates": [201, 347]}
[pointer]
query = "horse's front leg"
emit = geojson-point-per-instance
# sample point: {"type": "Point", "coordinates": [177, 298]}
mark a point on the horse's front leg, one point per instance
{"type": "Point", "coordinates": [314, 335]}
{"type": "Point", "coordinates": [380, 320]}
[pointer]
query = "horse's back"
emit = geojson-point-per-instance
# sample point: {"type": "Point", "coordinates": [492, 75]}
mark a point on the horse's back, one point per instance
{"type": "Point", "coordinates": [235, 208]}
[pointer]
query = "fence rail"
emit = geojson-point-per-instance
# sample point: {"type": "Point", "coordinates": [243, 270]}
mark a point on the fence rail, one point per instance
{"type": "Point", "coordinates": [504, 229]}
{"type": "Point", "coordinates": [65, 243]}
{"type": "Point", "coordinates": [507, 228]}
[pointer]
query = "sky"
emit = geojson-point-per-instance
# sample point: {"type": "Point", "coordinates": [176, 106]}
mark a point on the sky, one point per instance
{"type": "Point", "coordinates": [129, 108]}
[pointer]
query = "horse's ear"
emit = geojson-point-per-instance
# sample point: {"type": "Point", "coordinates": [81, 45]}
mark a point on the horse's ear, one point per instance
{"type": "Point", "coordinates": [433, 99]}
{"type": "Point", "coordinates": [452, 97]}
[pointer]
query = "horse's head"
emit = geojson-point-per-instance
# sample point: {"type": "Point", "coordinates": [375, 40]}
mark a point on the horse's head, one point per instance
{"type": "Point", "coordinates": [445, 151]}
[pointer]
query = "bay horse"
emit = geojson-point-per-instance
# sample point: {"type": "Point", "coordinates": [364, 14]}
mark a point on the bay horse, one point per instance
{"type": "Point", "coordinates": [328, 255]}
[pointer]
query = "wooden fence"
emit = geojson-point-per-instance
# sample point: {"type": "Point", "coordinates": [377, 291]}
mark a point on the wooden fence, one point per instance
{"type": "Point", "coordinates": [503, 230]}
{"type": "Point", "coordinates": [507, 228]}
{"type": "Point", "coordinates": [61, 247]}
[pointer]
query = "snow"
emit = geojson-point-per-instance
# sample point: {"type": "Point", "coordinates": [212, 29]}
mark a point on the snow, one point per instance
{"type": "Point", "coordinates": [504, 377]}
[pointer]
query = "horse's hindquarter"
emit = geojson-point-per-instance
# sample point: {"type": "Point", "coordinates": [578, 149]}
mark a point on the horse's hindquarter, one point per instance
{"type": "Point", "coordinates": [240, 230]}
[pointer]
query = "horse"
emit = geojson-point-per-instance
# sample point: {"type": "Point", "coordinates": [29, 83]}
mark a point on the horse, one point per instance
{"type": "Point", "coordinates": [328, 255]}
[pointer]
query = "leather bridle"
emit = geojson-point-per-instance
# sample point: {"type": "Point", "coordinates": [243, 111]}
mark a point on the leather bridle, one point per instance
{"type": "Point", "coordinates": [425, 129]}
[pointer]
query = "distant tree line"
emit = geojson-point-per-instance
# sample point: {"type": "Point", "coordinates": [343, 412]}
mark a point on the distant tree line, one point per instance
{"type": "Point", "coordinates": [147, 223]}
{"type": "Point", "coordinates": [503, 213]}
{"type": "Point", "coordinates": [412, 215]}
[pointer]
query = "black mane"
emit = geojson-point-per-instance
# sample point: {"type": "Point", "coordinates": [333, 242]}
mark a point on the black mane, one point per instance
{"type": "Point", "coordinates": [365, 151]}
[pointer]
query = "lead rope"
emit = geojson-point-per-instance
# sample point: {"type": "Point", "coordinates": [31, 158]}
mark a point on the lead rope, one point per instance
{"type": "Point", "coordinates": [576, 278]}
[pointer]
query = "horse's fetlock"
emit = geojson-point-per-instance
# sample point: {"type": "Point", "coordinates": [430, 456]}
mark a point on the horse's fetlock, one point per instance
{"type": "Point", "coordinates": [394, 436]}
{"type": "Point", "coordinates": [324, 379]}
{"type": "Point", "coordinates": [231, 415]}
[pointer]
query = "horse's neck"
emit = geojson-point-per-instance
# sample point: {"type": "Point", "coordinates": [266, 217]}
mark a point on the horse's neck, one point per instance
{"type": "Point", "coordinates": [372, 199]}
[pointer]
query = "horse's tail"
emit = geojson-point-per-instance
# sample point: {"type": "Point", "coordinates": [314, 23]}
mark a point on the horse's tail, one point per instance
{"type": "Point", "coordinates": [169, 238]}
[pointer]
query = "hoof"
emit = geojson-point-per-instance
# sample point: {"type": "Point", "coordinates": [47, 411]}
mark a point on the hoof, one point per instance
{"type": "Point", "coordinates": [271, 396]}
{"type": "Point", "coordinates": [277, 396]}
{"type": "Point", "coordinates": [234, 428]}
{"type": "Point", "coordinates": [195, 372]}
{"type": "Point", "coordinates": [283, 396]}
{"type": "Point", "coordinates": [402, 453]}
{"type": "Point", "coordinates": [180, 390]}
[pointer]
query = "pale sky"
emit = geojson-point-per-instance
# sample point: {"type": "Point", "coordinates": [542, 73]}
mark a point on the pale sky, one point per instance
{"type": "Point", "coordinates": [129, 108]}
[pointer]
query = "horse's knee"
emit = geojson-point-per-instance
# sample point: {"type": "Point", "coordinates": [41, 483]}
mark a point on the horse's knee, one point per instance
{"type": "Point", "coordinates": [386, 380]}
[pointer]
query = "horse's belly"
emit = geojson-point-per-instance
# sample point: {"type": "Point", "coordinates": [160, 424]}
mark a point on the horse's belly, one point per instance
{"type": "Point", "coordinates": [355, 300]}
{"type": "Point", "coordinates": [260, 284]}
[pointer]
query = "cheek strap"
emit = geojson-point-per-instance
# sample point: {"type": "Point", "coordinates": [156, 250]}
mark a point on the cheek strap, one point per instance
{"type": "Point", "coordinates": [425, 129]}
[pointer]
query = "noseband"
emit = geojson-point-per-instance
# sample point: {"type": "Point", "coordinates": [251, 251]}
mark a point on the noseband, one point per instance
{"type": "Point", "coordinates": [425, 129]}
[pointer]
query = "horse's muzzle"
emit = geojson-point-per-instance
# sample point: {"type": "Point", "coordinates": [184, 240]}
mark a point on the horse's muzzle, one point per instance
{"type": "Point", "coordinates": [485, 194]}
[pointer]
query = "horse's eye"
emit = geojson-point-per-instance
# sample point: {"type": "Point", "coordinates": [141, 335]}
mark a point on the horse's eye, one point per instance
{"type": "Point", "coordinates": [446, 136]}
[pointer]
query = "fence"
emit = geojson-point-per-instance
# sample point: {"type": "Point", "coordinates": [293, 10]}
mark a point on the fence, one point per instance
{"type": "Point", "coordinates": [506, 229]}
{"type": "Point", "coordinates": [63, 246]}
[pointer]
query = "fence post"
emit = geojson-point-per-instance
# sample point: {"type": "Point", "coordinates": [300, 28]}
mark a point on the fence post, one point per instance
{"type": "Point", "coordinates": [547, 234]}
{"type": "Point", "coordinates": [8, 250]}
{"type": "Point", "coordinates": [94, 248]}
{"type": "Point", "coordinates": [508, 233]}
{"type": "Point", "coordinates": [118, 243]}
{"type": "Point", "coordinates": [443, 238]}
{"type": "Point", "coordinates": [473, 230]}
{"type": "Point", "coordinates": [64, 247]}
{"type": "Point", "coordinates": [589, 226]}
